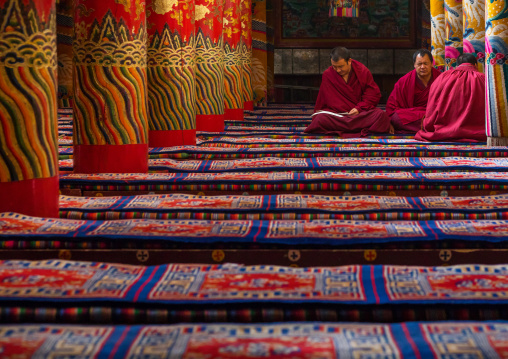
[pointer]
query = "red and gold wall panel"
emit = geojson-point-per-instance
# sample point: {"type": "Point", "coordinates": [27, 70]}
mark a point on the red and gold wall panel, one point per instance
{"type": "Point", "coordinates": [28, 108]}
{"type": "Point", "coordinates": [246, 51]}
{"type": "Point", "coordinates": [209, 65]}
{"type": "Point", "coordinates": [171, 77]}
{"type": "Point", "coordinates": [233, 69]}
{"type": "Point", "coordinates": [110, 106]}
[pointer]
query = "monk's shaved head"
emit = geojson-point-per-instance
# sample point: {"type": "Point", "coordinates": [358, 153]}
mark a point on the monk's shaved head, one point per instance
{"type": "Point", "coordinates": [340, 53]}
{"type": "Point", "coordinates": [423, 53]}
{"type": "Point", "coordinates": [467, 58]}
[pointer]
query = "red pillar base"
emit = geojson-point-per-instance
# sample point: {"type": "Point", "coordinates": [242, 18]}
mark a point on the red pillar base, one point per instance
{"type": "Point", "coordinates": [172, 138]}
{"type": "Point", "coordinates": [35, 197]}
{"type": "Point", "coordinates": [210, 123]}
{"type": "Point", "coordinates": [233, 114]}
{"type": "Point", "coordinates": [111, 158]}
{"type": "Point", "coordinates": [248, 106]}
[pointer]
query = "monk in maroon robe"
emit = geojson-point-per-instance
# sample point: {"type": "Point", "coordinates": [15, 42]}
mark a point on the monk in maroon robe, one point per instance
{"type": "Point", "coordinates": [347, 99]}
{"type": "Point", "coordinates": [407, 103]}
{"type": "Point", "coordinates": [456, 107]}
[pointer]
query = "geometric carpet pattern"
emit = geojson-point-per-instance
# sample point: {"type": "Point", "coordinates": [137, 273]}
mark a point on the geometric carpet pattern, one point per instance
{"type": "Point", "coordinates": [294, 340]}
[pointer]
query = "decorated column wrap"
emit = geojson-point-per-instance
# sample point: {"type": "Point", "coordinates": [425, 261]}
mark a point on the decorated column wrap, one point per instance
{"type": "Point", "coordinates": [246, 51]}
{"type": "Point", "coordinates": [233, 95]}
{"type": "Point", "coordinates": [259, 53]}
{"type": "Point", "coordinates": [64, 35]}
{"type": "Point", "coordinates": [171, 78]}
{"type": "Point", "coordinates": [474, 29]}
{"type": "Point", "coordinates": [496, 71]}
{"type": "Point", "coordinates": [110, 108]}
{"type": "Point", "coordinates": [209, 66]}
{"type": "Point", "coordinates": [438, 33]}
{"type": "Point", "coordinates": [453, 41]}
{"type": "Point", "coordinates": [28, 106]}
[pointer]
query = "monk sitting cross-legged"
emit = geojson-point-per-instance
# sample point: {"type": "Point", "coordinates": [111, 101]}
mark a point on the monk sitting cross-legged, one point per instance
{"type": "Point", "coordinates": [347, 99]}
{"type": "Point", "coordinates": [407, 103]}
{"type": "Point", "coordinates": [456, 107]}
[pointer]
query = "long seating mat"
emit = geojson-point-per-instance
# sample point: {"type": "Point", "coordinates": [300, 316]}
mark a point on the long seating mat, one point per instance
{"type": "Point", "coordinates": [283, 182]}
{"type": "Point", "coordinates": [24, 232]}
{"type": "Point", "coordinates": [285, 206]}
{"type": "Point", "coordinates": [370, 164]}
{"type": "Point", "coordinates": [198, 152]}
{"type": "Point", "coordinates": [327, 293]}
{"type": "Point", "coordinates": [282, 340]}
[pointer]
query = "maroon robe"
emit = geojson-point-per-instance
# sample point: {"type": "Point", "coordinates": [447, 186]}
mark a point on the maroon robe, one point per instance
{"type": "Point", "coordinates": [337, 96]}
{"type": "Point", "coordinates": [456, 107]}
{"type": "Point", "coordinates": [407, 103]}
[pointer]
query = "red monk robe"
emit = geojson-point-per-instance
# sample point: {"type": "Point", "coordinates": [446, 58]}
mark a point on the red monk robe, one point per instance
{"type": "Point", "coordinates": [456, 107]}
{"type": "Point", "coordinates": [338, 96]}
{"type": "Point", "coordinates": [407, 103]}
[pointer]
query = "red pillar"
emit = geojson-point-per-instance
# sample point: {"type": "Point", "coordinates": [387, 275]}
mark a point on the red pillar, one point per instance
{"type": "Point", "coordinates": [209, 66]}
{"type": "Point", "coordinates": [171, 78]}
{"type": "Point", "coordinates": [110, 110]}
{"type": "Point", "coordinates": [233, 71]}
{"type": "Point", "coordinates": [28, 105]}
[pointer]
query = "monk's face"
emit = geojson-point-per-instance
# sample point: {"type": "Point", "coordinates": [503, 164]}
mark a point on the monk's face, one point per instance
{"type": "Point", "coordinates": [342, 66]}
{"type": "Point", "coordinates": [423, 65]}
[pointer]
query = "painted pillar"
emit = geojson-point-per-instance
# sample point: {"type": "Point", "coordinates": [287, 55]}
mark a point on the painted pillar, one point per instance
{"type": "Point", "coordinates": [28, 108]}
{"type": "Point", "coordinates": [64, 34]}
{"type": "Point", "coordinates": [270, 52]}
{"type": "Point", "coordinates": [233, 95]}
{"type": "Point", "coordinates": [453, 40]}
{"type": "Point", "coordinates": [246, 53]}
{"type": "Point", "coordinates": [259, 53]}
{"type": "Point", "coordinates": [496, 71]}
{"type": "Point", "coordinates": [209, 66]}
{"type": "Point", "coordinates": [170, 71]}
{"type": "Point", "coordinates": [474, 29]}
{"type": "Point", "coordinates": [110, 107]}
{"type": "Point", "coordinates": [438, 33]}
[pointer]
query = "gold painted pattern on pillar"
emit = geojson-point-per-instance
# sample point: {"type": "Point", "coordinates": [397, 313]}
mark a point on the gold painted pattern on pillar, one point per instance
{"type": "Point", "coordinates": [233, 96]}
{"type": "Point", "coordinates": [438, 33]}
{"type": "Point", "coordinates": [110, 83]}
{"type": "Point", "coordinates": [246, 51]}
{"type": "Point", "coordinates": [474, 30]}
{"type": "Point", "coordinates": [172, 90]}
{"type": "Point", "coordinates": [453, 41]}
{"type": "Point", "coordinates": [28, 125]}
{"type": "Point", "coordinates": [209, 75]}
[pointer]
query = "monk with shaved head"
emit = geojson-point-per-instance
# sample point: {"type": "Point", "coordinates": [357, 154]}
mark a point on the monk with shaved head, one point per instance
{"type": "Point", "coordinates": [347, 99]}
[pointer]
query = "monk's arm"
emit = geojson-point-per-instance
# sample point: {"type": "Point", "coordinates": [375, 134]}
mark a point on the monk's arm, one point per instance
{"type": "Point", "coordinates": [370, 96]}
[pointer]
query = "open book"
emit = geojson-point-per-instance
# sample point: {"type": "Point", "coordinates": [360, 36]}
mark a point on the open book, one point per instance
{"type": "Point", "coordinates": [330, 113]}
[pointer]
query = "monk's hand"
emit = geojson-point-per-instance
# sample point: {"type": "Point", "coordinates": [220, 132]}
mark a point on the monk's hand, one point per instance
{"type": "Point", "coordinates": [392, 130]}
{"type": "Point", "coordinates": [354, 112]}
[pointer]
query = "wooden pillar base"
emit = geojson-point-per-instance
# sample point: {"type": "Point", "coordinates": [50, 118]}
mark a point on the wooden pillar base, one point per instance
{"type": "Point", "coordinates": [111, 158]}
{"type": "Point", "coordinates": [35, 197]}
{"type": "Point", "coordinates": [210, 123]}
{"type": "Point", "coordinates": [497, 141]}
{"type": "Point", "coordinates": [172, 138]}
